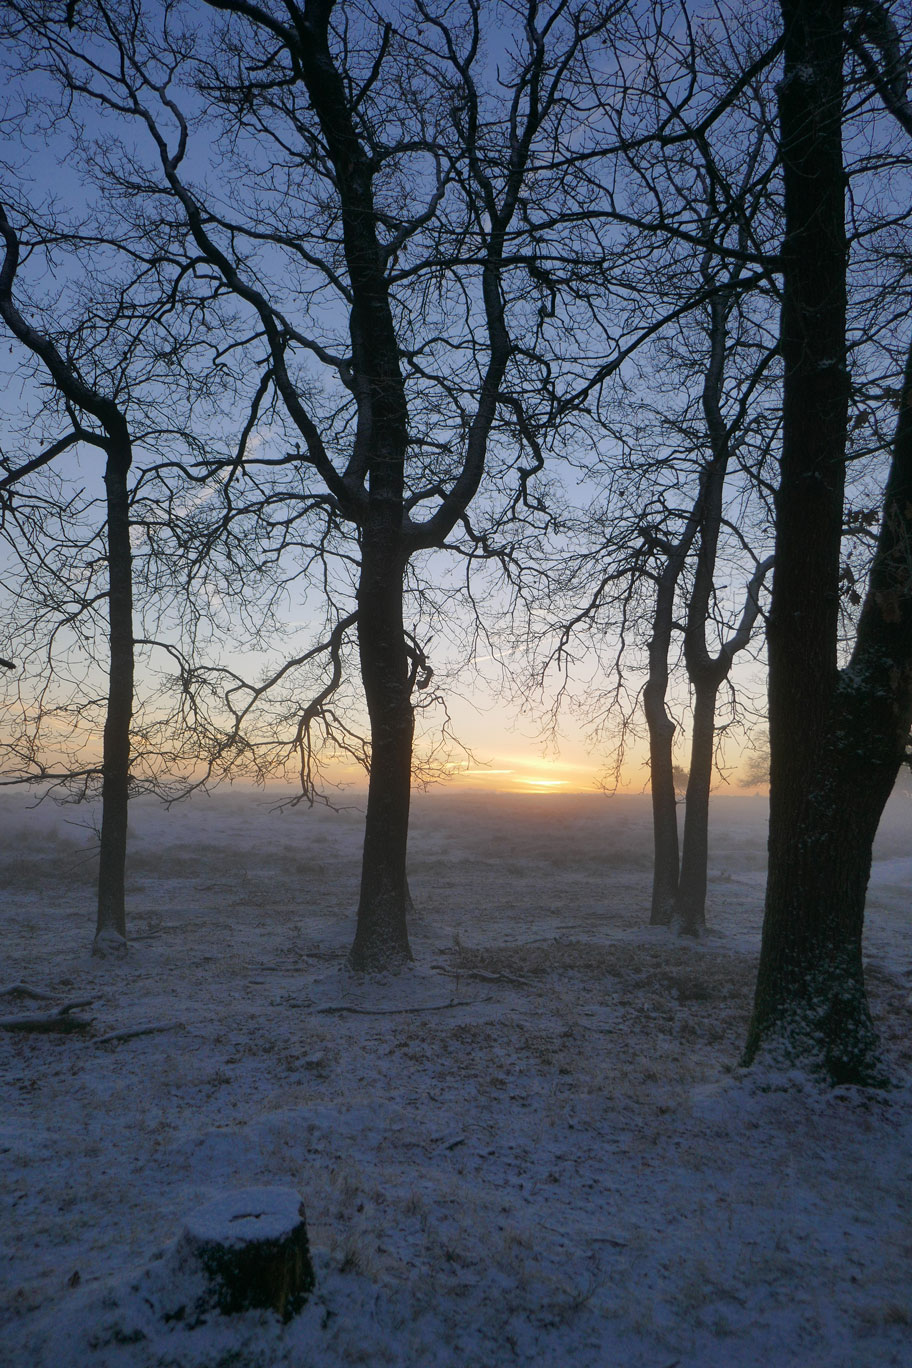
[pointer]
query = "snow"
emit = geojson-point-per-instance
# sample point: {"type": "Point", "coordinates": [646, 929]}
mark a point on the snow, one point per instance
{"type": "Point", "coordinates": [534, 1147]}
{"type": "Point", "coordinates": [248, 1214]}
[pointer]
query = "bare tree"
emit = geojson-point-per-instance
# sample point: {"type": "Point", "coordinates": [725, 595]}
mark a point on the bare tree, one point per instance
{"type": "Point", "coordinates": [687, 444]}
{"type": "Point", "coordinates": [375, 183]}
{"type": "Point", "coordinates": [109, 432]}
{"type": "Point", "coordinates": [708, 670]}
{"type": "Point", "coordinates": [96, 355]}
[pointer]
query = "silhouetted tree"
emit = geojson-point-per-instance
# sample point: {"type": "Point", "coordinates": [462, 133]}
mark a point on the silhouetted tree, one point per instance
{"type": "Point", "coordinates": [110, 433]}
{"type": "Point", "coordinates": [100, 353]}
{"type": "Point", "coordinates": [687, 443]}
{"type": "Point", "coordinates": [374, 231]}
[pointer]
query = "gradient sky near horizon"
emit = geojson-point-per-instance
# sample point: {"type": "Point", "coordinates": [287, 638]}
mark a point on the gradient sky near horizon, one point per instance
{"type": "Point", "coordinates": [507, 752]}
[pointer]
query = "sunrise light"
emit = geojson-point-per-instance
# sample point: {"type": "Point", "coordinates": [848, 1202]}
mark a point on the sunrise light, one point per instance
{"type": "Point", "coordinates": [528, 774]}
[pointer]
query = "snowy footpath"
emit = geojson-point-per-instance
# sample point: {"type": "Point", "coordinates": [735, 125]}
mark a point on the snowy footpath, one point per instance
{"type": "Point", "coordinates": [535, 1147]}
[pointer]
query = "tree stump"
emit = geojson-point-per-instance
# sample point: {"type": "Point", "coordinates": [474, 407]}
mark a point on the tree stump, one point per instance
{"type": "Point", "coordinates": [252, 1248]}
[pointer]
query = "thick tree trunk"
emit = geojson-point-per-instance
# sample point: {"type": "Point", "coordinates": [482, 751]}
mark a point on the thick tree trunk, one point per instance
{"type": "Point", "coordinates": [810, 1005]}
{"type": "Point", "coordinates": [111, 929]}
{"type": "Point", "coordinates": [664, 803]}
{"type": "Point", "coordinates": [810, 1002]}
{"type": "Point", "coordinates": [690, 906]}
{"type": "Point", "coordinates": [803, 619]}
{"type": "Point", "coordinates": [833, 757]}
{"type": "Point", "coordinates": [381, 940]}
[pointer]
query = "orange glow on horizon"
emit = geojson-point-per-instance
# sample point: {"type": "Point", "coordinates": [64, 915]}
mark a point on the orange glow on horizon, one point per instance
{"type": "Point", "coordinates": [527, 774]}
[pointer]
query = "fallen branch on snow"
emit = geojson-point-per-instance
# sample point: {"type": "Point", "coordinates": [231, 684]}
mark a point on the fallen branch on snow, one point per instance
{"type": "Point", "coordinates": [59, 1022]}
{"type": "Point", "coordinates": [130, 1032]}
{"type": "Point", "coordinates": [396, 1011]}
{"type": "Point", "coordinates": [25, 990]}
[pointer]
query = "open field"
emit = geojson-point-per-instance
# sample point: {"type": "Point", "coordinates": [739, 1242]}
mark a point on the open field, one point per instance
{"type": "Point", "coordinates": [533, 1148]}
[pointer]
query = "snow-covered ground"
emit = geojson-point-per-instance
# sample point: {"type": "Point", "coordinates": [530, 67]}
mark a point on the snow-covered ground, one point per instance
{"type": "Point", "coordinates": [533, 1148]}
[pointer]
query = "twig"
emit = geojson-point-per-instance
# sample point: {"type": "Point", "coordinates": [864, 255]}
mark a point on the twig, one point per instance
{"type": "Point", "coordinates": [395, 1011]}
{"type": "Point", "coordinates": [131, 1031]}
{"type": "Point", "coordinates": [599, 1239]}
{"type": "Point", "coordinates": [453, 1143]}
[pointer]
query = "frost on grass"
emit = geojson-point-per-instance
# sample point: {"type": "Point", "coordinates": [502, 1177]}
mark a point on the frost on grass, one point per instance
{"type": "Point", "coordinates": [533, 1147]}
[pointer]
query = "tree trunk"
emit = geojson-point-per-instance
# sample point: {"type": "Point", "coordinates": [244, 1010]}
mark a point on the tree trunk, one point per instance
{"type": "Point", "coordinates": [810, 1005]}
{"type": "Point", "coordinates": [111, 927]}
{"type": "Point", "coordinates": [826, 795]}
{"type": "Point", "coordinates": [381, 939]}
{"type": "Point", "coordinates": [690, 906]}
{"type": "Point", "coordinates": [662, 729]}
{"type": "Point", "coordinates": [664, 804]}
{"type": "Point", "coordinates": [810, 1000]}
{"type": "Point", "coordinates": [705, 673]}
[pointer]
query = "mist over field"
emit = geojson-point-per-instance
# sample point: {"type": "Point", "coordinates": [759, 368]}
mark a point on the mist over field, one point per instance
{"type": "Point", "coordinates": [534, 1146]}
